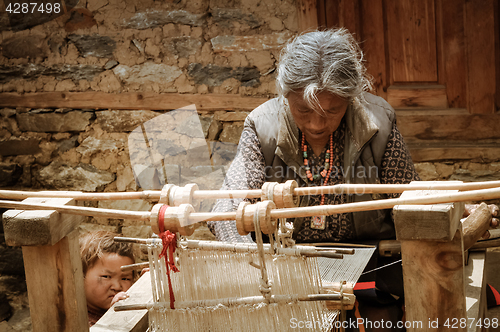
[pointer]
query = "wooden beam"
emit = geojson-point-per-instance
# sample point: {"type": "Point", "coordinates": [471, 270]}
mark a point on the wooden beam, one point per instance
{"type": "Point", "coordinates": [307, 15]}
{"type": "Point", "coordinates": [433, 274]}
{"type": "Point", "coordinates": [480, 46]}
{"type": "Point", "coordinates": [447, 124]}
{"type": "Point", "coordinates": [433, 269]}
{"type": "Point", "coordinates": [129, 100]}
{"type": "Point", "coordinates": [40, 227]}
{"type": "Point", "coordinates": [54, 278]}
{"type": "Point", "coordinates": [444, 150]}
{"type": "Point", "coordinates": [428, 96]}
{"type": "Point", "coordinates": [437, 222]}
{"type": "Point", "coordinates": [130, 321]}
{"type": "Point", "coordinates": [475, 290]}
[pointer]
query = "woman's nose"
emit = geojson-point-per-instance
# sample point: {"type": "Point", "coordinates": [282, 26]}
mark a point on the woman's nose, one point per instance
{"type": "Point", "coordinates": [316, 121]}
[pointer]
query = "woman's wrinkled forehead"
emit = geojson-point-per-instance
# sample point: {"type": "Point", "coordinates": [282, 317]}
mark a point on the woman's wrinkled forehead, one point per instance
{"type": "Point", "coordinates": [319, 102]}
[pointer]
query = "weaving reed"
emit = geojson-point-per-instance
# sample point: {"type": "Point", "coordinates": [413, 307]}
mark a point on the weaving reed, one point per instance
{"type": "Point", "coordinates": [210, 282]}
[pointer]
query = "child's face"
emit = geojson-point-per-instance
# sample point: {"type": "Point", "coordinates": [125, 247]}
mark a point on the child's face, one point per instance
{"type": "Point", "coordinates": [105, 279]}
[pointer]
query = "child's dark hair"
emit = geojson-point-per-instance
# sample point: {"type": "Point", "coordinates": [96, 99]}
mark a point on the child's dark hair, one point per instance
{"type": "Point", "coordinates": [94, 244]}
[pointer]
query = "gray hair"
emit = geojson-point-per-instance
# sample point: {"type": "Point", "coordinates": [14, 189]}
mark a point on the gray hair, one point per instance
{"type": "Point", "coordinates": [320, 61]}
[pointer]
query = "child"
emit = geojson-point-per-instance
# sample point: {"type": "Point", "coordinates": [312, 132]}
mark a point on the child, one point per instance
{"type": "Point", "coordinates": [105, 283]}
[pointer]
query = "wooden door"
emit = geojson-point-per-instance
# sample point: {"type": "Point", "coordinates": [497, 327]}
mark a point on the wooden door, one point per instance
{"type": "Point", "coordinates": [424, 53]}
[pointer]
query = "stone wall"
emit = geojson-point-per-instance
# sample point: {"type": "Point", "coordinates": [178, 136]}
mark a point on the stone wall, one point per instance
{"type": "Point", "coordinates": [202, 46]}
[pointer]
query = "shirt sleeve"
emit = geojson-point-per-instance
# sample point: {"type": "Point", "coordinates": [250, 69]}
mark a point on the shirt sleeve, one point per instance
{"type": "Point", "coordinates": [247, 171]}
{"type": "Point", "coordinates": [397, 166]}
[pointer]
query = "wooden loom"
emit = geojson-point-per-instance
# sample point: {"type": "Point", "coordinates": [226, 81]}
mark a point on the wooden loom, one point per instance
{"type": "Point", "coordinates": [54, 231]}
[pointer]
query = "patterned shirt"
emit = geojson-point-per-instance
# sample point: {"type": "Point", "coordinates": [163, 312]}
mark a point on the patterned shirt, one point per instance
{"type": "Point", "coordinates": [248, 172]}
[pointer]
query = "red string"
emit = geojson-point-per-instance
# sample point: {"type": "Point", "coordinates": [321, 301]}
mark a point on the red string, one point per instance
{"type": "Point", "coordinates": [169, 241]}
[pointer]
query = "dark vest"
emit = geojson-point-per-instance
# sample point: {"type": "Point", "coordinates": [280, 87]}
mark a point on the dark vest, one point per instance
{"type": "Point", "coordinates": [368, 127]}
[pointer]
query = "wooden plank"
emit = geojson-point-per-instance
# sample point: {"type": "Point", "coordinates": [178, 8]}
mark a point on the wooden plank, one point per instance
{"type": "Point", "coordinates": [130, 321]}
{"type": "Point", "coordinates": [332, 13]}
{"type": "Point", "coordinates": [412, 41]}
{"type": "Point", "coordinates": [349, 17]}
{"type": "Point", "coordinates": [437, 222]}
{"type": "Point", "coordinates": [429, 96]}
{"type": "Point", "coordinates": [54, 278]}
{"type": "Point", "coordinates": [452, 53]}
{"type": "Point", "coordinates": [307, 14]}
{"type": "Point", "coordinates": [374, 46]}
{"type": "Point", "coordinates": [321, 13]}
{"type": "Point", "coordinates": [451, 124]}
{"type": "Point", "coordinates": [129, 100]}
{"type": "Point", "coordinates": [39, 227]}
{"type": "Point", "coordinates": [433, 274]}
{"type": "Point", "coordinates": [475, 289]}
{"type": "Point", "coordinates": [480, 45]}
{"type": "Point", "coordinates": [444, 150]}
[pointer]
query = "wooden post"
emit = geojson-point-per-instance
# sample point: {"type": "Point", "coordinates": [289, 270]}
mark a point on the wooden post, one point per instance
{"type": "Point", "coordinates": [433, 264]}
{"type": "Point", "coordinates": [54, 274]}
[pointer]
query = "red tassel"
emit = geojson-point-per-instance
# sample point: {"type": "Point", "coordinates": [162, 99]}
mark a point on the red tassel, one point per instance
{"type": "Point", "coordinates": [169, 241]}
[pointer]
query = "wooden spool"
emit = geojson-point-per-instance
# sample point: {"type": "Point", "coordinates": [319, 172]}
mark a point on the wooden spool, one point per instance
{"type": "Point", "coordinates": [174, 195]}
{"type": "Point", "coordinates": [245, 215]}
{"type": "Point", "coordinates": [175, 219]}
{"type": "Point", "coordinates": [282, 194]}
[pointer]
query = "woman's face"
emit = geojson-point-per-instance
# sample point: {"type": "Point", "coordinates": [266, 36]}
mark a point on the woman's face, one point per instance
{"type": "Point", "coordinates": [317, 126]}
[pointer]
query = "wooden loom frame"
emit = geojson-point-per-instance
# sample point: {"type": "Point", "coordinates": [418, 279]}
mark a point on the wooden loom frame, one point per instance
{"type": "Point", "coordinates": [55, 278]}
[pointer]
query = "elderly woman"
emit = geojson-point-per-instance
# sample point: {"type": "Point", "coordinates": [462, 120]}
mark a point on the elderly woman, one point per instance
{"type": "Point", "coordinates": [324, 129]}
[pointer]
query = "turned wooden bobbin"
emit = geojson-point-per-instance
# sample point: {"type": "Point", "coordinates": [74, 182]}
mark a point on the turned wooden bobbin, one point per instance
{"type": "Point", "coordinates": [175, 218]}
{"type": "Point", "coordinates": [174, 195]}
{"type": "Point", "coordinates": [165, 194]}
{"type": "Point", "coordinates": [245, 214]}
{"type": "Point", "coordinates": [280, 193]}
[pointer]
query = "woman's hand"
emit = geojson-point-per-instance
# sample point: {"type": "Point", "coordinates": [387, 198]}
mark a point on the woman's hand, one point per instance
{"type": "Point", "coordinates": [495, 211]}
{"type": "Point", "coordinates": [119, 296]}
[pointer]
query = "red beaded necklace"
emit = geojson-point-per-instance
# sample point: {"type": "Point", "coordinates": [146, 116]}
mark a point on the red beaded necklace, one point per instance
{"type": "Point", "coordinates": [318, 222]}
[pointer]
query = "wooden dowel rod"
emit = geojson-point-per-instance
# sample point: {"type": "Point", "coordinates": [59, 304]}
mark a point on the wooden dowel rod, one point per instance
{"type": "Point", "coordinates": [137, 266]}
{"type": "Point", "coordinates": [128, 307]}
{"type": "Point", "coordinates": [220, 194]}
{"type": "Point", "coordinates": [233, 301]}
{"type": "Point", "coordinates": [392, 188]}
{"type": "Point", "coordinates": [256, 193]}
{"type": "Point", "coordinates": [79, 196]}
{"type": "Point", "coordinates": [308, 211]}
{"type": "Point", "coordinates": [135, 240]}
{"type": "Point", "coordinates": [79, 210]}
{"type": "Point", "coordinates": [473, 195]}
